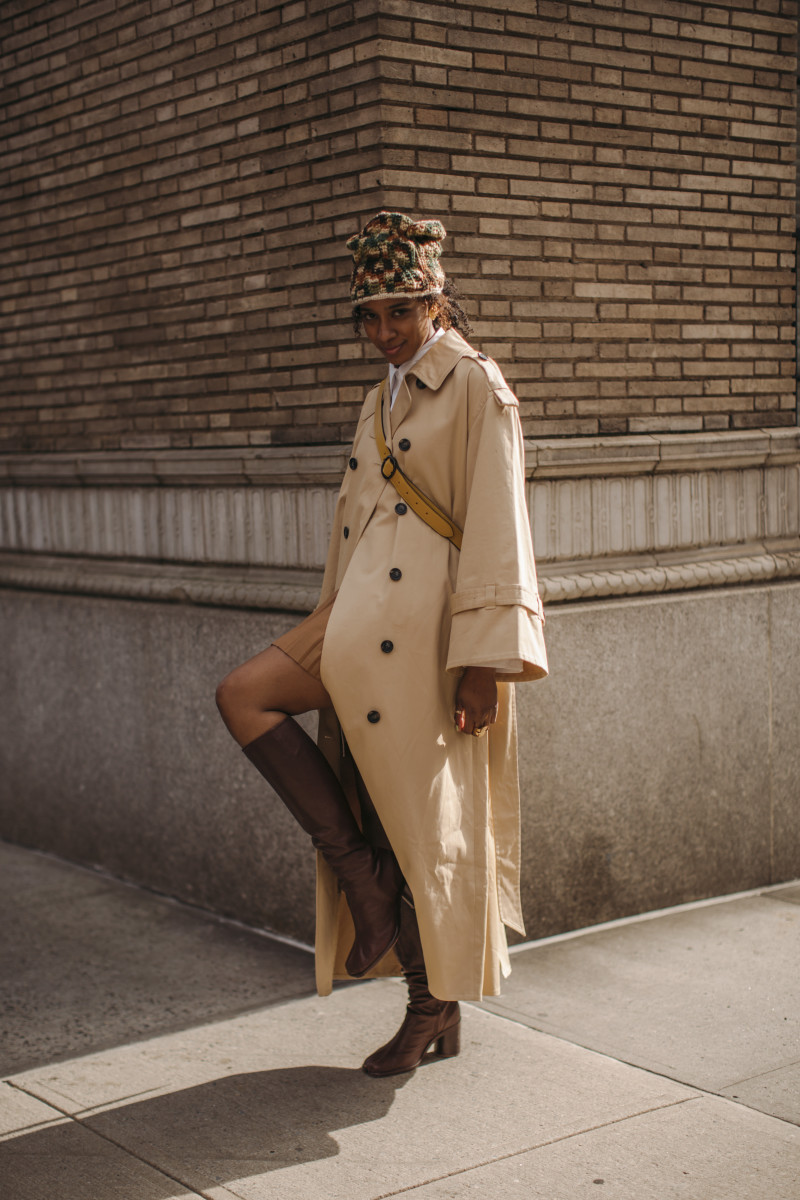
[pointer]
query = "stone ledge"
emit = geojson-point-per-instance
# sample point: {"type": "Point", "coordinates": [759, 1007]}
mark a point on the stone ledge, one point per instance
{"type": "Point", "coordinates": [298, 590]}
{"type": "Point", "coordinates": [593, 581]}
{"type": "Point", "coordinates": [661, 452]}
{"type": "Point", "coordinates": [233, 587]}
{"type": "Point", "coordinates": [575, 520]}
{"type": "Point", "coordinates": [554, 458]}
{"type": "Point", "coordinates": [264, 467]}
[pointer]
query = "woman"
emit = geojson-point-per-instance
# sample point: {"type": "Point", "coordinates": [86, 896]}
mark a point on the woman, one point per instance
{"type": "Point", "coordinates": [429, 610]}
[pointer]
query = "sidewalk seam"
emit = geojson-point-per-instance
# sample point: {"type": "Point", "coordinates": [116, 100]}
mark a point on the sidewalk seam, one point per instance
{"type": "Point", "coordinates": [768, 891]}
{"type": "Point", "coordinates": [537, 1146]}
{"type": "Point", "coordinates": [104, 1137]}
{"type": "Point", "coordinates": [760, 1075]}
{"type": "Point", "coordinates": [106, 876]}
{"type": "Point", "coordinates": [624, 1062]}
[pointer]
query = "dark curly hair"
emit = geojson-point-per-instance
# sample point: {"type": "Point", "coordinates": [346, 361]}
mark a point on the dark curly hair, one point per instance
{"type": "Point", "coordinates": [448, 311]}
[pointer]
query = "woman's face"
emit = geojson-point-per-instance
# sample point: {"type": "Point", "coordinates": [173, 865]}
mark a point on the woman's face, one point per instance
{"type": "Point", "coordinates": [397, 327]}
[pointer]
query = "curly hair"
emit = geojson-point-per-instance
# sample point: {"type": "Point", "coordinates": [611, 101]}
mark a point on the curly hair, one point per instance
{"type": "Point", "coordinates": [451, 314]}
{"type": "Point", "coordinates": [448, 312]}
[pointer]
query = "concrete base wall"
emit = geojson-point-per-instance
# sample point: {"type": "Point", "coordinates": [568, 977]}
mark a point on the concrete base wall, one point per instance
{"type": "Point", "coordinates": [659, 763]}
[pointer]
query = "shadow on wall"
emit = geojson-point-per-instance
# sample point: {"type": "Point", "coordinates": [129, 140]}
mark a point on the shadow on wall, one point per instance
{"type": "Point", "coordinates": [205, 1136]}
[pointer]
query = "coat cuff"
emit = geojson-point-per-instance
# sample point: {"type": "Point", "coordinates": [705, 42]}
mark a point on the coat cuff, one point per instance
{"type": "Point", "coordinates": [491, 595]}
{"type": "Point", "coordinates": [498, 637]}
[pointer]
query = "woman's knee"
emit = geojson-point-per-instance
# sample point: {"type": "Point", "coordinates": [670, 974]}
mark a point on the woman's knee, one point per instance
{"type": "Point", "coordinates": [270, 683]}
{"type": "Point", "coordinates": [231, 693]}
{"type": "Point", "coordinates": [253, 686]}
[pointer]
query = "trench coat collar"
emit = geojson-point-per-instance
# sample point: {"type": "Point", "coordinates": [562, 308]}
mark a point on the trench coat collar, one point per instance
{"type": "Point", "coordinates": [432, 370]}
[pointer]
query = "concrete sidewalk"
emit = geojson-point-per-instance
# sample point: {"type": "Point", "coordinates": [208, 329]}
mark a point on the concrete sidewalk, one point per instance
{"type": "Point", "coordinates": [151, 1052]}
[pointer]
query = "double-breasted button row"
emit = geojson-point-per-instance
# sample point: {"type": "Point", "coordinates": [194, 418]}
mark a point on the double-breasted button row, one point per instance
{"type": "Point", "coordinates": [387, 646]}
{"type": "Point", "coordinates": [353, 463]}
{"type": "Point", "coordinates": [373, 716]}
{"type": "Point", "coordinates": [404, 444]}
{"type": "Point", "coordinates": [401, 509]}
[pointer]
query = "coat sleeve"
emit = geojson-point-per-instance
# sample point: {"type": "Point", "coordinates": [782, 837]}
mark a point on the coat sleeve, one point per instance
{"type": "Point", "coordinates": [497, 615]}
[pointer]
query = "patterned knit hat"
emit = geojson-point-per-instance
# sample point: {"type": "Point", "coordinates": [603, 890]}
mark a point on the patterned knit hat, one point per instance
{"type": "Point", "coordinates": [394, 255]}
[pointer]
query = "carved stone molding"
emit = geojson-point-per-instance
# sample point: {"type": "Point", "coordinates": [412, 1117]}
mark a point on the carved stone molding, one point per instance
{"type": "Point", "coordinates": [661, 512]}
{"type": "Point", "coordinates": [249, 526]}
{"type": "Point", "coordinates": [674, 577]}
{"type": "Point", "coordinates": [298, 591]}
{"type": "Point", "coordinates": [275, 466]}
{"type": "Point", "coordinates": [232, 587]}
{"type": "Point", "coordinates": [613, 516]}
{"type": "Point", "coordinates": [288, 526]}
{"type": "Point", "coordinates": [285, 466]}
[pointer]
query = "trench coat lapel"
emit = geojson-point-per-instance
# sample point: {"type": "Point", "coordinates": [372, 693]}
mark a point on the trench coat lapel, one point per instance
{"type": "Point", "coordinates": [431, 372]}
{"type": "Point", "coordinates": [369, 493]}
{"type": "Point", "coordinates": [398, 411]}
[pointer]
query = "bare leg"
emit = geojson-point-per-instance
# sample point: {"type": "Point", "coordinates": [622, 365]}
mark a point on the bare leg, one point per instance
{"type": "Point", "coordinates": [259, 694]}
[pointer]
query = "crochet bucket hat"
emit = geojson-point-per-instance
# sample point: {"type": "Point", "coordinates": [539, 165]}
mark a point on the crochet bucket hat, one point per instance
{"type": "Point", "coordinates": [394, 255]}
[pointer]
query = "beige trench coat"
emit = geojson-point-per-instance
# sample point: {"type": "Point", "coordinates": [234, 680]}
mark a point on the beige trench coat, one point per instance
{"type": "Point", "coordinates": [449, 802]}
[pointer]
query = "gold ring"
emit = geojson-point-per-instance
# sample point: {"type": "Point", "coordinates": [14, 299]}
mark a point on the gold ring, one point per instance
{"type": "Point", "coordinates": [479, 731]}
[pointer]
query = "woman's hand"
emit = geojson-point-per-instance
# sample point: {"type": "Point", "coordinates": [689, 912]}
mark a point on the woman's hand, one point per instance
{"type": "Point", "coordinates": [476, 700]}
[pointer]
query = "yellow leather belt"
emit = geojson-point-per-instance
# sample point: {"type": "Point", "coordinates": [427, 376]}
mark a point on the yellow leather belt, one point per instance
{"type": "Point", "coordinates": [416, 499]}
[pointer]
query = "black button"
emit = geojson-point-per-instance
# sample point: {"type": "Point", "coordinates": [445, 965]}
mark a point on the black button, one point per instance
{"type": "Point", "coordinates": [404, 444]}
{"type": "Point", "coordinates": [395, 574]}
{"type": "Point", "coordinates": [401, 509]}
{"type": "Point", "coordinates": [353, 464]}
{"type": "Point", "coordinates": [483, 357]}
{"type": "Point", "coordinates": [421, 385]}
{"type": "Point", "coordinates": [373, 716]}
{"type": "Point", "coordinates": [346, 532]}
{"type": "Point", "coordinates": [387, 647]}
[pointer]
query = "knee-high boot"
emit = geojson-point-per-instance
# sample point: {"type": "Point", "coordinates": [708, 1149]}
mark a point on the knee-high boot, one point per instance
{"type": "Point", "coordinates": [428, 1021]}
{"type": "Point", "coordinates": [298, 771]}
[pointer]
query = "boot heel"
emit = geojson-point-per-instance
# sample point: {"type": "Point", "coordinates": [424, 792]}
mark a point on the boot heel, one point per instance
{"type": "Point", "coordinates": [448, 1045]}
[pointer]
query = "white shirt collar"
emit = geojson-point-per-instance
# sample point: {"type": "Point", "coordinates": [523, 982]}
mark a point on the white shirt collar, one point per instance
{"type": "Point", "coordinates": [398, 374]}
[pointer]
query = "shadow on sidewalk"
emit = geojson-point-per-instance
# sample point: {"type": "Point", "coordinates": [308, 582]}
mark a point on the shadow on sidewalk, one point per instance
{"type": "Point", "coordinates": [230, 1128]}
{"type": "Point", "coordinates": [90, 963]}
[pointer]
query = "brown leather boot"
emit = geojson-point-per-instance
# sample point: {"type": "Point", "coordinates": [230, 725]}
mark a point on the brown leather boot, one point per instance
{"type": "Point", "coordinates": [428, 1021]}
{"type": "Point", "coordinates": [299, 772]}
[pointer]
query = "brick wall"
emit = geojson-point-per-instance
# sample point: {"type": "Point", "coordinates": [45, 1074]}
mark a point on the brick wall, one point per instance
{"type": "Point", "coordinates": [177, 180]}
